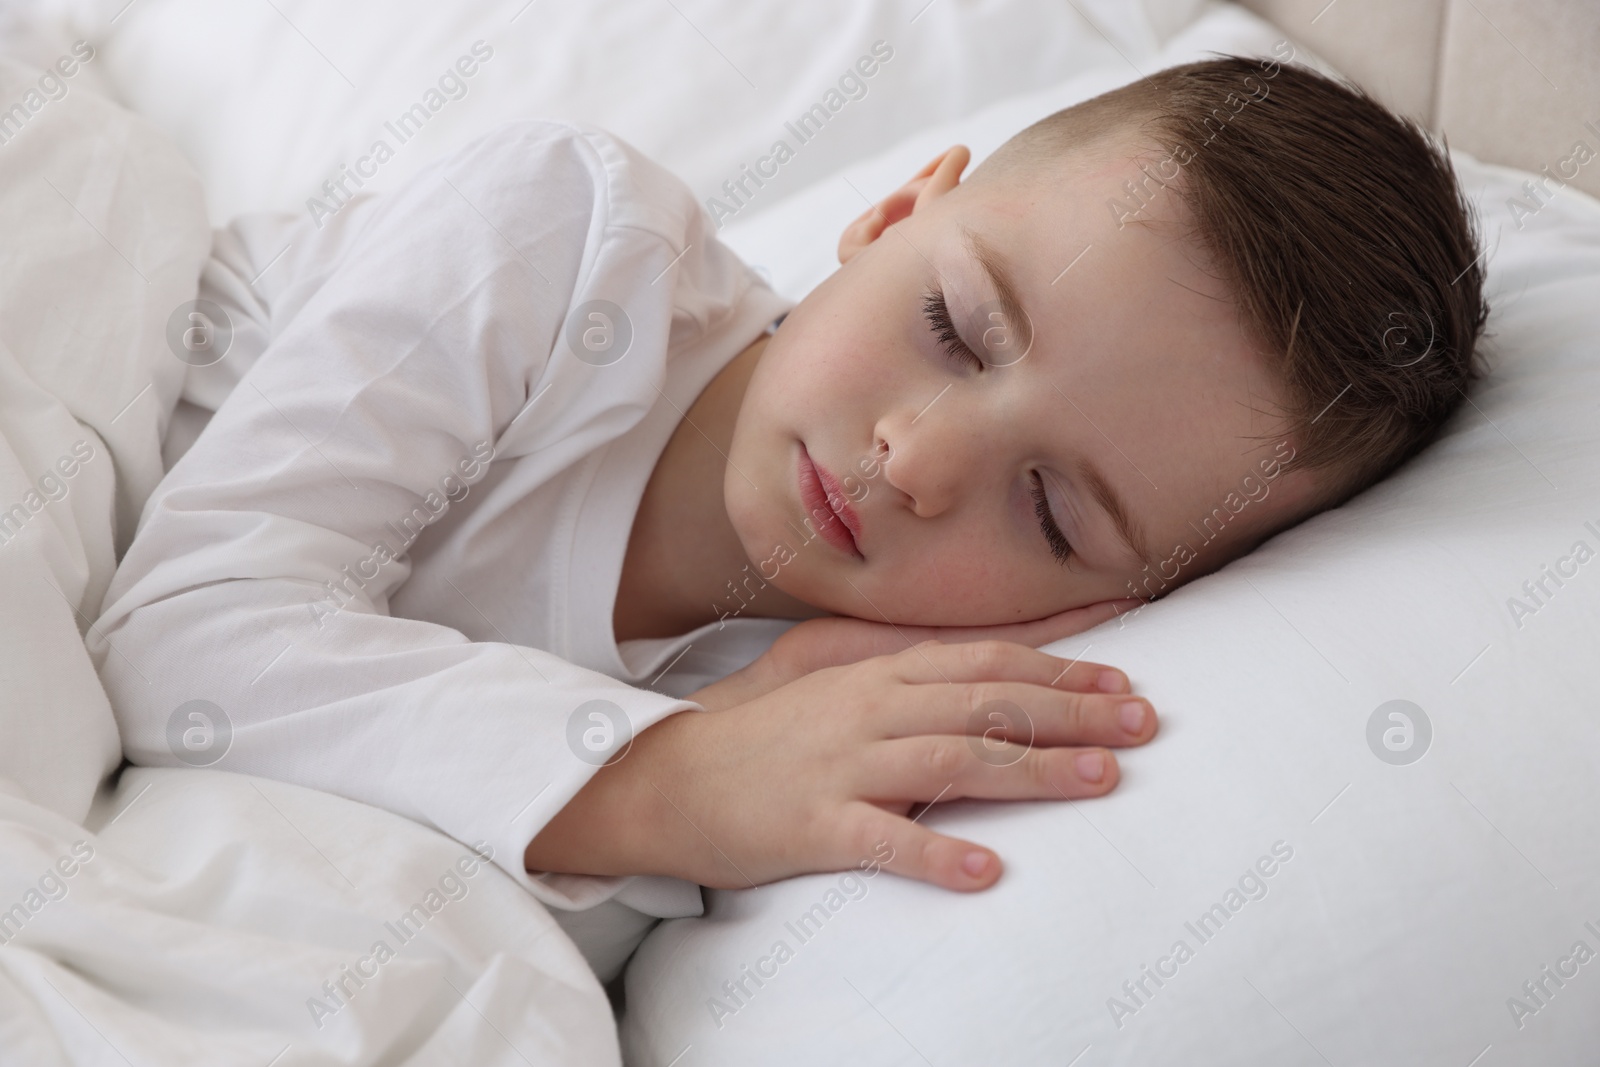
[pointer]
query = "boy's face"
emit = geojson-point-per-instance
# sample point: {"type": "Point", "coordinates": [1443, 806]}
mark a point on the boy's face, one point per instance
{"type": "Point", "coordinates": [1128, 378]}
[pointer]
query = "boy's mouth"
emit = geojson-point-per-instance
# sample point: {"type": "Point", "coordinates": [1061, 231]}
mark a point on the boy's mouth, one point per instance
{"type": "Point", "coordinates": [826, 506]}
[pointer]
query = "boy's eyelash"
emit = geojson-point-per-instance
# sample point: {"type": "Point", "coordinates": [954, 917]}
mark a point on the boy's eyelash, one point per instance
{"type": "Point", "coordinates": [1060, 547]}
{"type": "Point", "coordinates": [944, 329]}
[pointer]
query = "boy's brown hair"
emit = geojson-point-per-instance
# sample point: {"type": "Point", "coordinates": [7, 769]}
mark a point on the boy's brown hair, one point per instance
{"type": "Point", "coordinates": [1340, 228]}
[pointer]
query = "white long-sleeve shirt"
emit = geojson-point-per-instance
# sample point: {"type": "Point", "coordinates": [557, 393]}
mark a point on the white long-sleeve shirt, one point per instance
{"type": "Point", "coordinates": [430, 392]}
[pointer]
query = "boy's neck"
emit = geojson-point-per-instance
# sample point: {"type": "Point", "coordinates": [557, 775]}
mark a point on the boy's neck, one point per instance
{"type": "Point", "coordinates": [683, 550]}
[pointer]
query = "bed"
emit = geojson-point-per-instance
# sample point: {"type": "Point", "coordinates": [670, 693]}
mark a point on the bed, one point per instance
{"type": "Point", "coordinates": [1382, 902]}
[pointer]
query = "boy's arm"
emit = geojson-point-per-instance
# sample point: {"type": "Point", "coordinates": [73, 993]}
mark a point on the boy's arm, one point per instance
{"type": "Point", "coordinates": [411, 364]}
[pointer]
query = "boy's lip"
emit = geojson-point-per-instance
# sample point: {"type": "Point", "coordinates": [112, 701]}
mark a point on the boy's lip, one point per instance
{"type": "Point", "coordinates": [819, 490]}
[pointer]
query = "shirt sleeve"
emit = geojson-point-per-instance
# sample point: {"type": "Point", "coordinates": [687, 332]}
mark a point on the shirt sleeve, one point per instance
{"type": "Point", "coordinates": [424, 341]}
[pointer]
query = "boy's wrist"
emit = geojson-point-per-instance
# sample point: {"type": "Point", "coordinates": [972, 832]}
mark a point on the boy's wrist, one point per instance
{"type": "Point", "coordinates": [619, 824]}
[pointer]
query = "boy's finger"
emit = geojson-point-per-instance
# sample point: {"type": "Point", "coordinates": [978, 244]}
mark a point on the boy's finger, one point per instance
{"type": "Point", "coordinates": [903, 847]}
{"type": "Point", "coordinates": [951, 768]}
{"type": "Point", "coordinates": [1085, 676]}
{"type": "Point", "coordinates": [1066, 623]}
{"type": "Point", "coordinates": [989, 660]}
{"type": "Point", "coordinates": [1077, 675]}
{"type": "Point", "coordinates": [1038, 631]}
{"type": "Point", "coordinates": [1019, 713]}
{"type": "Point", "coordinates": [831, 642]}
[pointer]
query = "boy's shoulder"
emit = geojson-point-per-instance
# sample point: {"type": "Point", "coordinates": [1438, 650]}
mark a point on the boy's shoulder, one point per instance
{"type": "Point", "coordinates": [628, 218]}
{"type": "Point", "coordinates": [559, 160]}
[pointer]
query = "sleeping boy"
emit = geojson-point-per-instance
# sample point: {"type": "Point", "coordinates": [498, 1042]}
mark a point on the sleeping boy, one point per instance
{"type": "Point", "coordinates": [524, 425]}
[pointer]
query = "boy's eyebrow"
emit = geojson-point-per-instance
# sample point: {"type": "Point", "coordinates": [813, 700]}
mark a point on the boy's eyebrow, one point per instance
{"type": "Point", "coordinates": [1127, 529]}
{"type": "Point", "coordinates": [1000, 280]}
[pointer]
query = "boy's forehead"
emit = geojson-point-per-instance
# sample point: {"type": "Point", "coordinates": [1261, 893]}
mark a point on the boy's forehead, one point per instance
{"type": "Point", "coordinates": [1109, 199]}
{"type": "Point", "coordinates": [1068, 267]}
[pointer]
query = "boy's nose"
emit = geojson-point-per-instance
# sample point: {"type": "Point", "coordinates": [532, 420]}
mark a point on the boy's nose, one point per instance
{"type": "Point", "coordinates": [928, 475]}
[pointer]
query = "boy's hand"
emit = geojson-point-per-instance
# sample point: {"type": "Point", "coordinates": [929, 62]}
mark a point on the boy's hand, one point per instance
{"type": "Point", "coordinates": [820, 774]}
{"type": "Point", "coordinates": [835, 640]}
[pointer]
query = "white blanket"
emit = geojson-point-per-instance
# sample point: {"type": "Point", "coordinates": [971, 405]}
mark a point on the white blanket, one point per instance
{"type": "Point", "coordinates": [191, 916]}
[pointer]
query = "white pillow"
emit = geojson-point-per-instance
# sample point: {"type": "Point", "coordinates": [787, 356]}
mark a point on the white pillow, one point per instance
{"type": "Point", "coordinates": [270, 99]}
{"type": "Point", "coordinates": [1363, 911]}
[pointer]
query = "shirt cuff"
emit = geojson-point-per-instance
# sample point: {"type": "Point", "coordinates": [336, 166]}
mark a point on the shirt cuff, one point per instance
{"type": "Point", "coordinates": [661, 896]}
{"type": "Point", "coordinates": [652, 894]}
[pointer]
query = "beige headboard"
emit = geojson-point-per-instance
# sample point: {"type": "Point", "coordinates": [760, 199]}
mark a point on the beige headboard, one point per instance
{"type": "Point", "coordinates": [1510, 81]}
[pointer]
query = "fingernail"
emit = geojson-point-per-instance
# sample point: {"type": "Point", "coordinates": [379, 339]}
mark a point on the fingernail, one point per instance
{"type": "Point", "coordinates": [975, 863]}
{"type": "Point", "coordinates": [1111, 682]}
{"type": "Point", "coordinates": [1131, 715]}
{"type": "Point", "coordinates": [1091, 766]}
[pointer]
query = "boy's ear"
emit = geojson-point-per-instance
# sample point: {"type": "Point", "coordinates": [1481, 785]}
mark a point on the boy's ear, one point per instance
{"type": "Point", "coordinates": [941, 175]}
